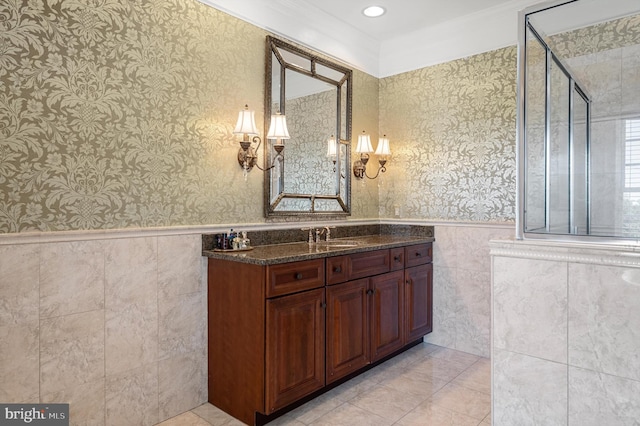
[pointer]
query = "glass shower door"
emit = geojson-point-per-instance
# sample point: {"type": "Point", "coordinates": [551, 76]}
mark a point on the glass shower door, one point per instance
{"type": "Point", "coordinates": [556, 145]}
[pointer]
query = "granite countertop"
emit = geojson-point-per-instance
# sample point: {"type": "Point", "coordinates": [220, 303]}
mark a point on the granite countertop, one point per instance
{"type": "Point", "coordinates": [291, 252]}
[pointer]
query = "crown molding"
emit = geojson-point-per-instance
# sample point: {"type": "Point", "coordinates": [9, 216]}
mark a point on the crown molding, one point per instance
{"type": "Point", "coordinates": [309, 26]}
{"type": "Point", "coordinates": [486, 30]}
{"type": "Point", "coordinates": [489, 29]}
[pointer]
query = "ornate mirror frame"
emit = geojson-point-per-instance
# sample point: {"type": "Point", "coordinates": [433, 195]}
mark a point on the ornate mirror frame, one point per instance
{"type": "Point", "coordinates": [279, 200]}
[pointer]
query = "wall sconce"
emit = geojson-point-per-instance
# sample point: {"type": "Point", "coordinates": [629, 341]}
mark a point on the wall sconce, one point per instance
{"type": "Point", "coordinates": [246, 126]}
{"type": "Point", "coordinates": [332, 151]}
{"type": "Point", "coordinates": [364, 148]}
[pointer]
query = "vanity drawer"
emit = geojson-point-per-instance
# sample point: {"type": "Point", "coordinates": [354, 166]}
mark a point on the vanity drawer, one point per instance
{"type": "Point", "coordinates": [293, 277]}
{"type": "Point", "coordinates": [358, 265]}
{"type": "Point", "coordinates": [397, 258]}
{"type": "Point", "coordinates": [418, 254]}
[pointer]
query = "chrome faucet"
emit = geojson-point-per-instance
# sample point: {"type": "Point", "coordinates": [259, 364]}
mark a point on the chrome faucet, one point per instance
{"type": "Point", "coordinates": [327, 233]}
{"type": "Point", "coordinates": [311, 230]}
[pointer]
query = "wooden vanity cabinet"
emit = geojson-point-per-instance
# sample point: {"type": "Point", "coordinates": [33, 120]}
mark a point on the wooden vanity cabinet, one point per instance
{"type": "Point", "coordinates": [364, 322]}
{"type": "Point", "coordinates": [418, 291]}
{"type": "Point", "coordinates": [278, 333]}
{"type": "Point", "coordinates": [371, 318]}
{"type": "Point", "coordinates": [418, 303]}
{"type": "Point", "coordinates": [387, 314]}
{"type": "Point", "coordinates": [348, 348]}
{"type": "Point", "coordinates": [295, 347]}
{"type": "Point", "coordinates": [359, 265]}
{"type": "Point", "coordinates": [266, 335]}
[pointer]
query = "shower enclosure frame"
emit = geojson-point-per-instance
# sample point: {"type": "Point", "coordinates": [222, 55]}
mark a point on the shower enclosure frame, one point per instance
{"type": "Point", "coordinates": [521, 137]}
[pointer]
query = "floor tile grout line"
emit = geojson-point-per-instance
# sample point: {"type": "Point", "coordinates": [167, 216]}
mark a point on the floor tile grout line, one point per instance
{"type": "Point", "coordinates": [376, 383]}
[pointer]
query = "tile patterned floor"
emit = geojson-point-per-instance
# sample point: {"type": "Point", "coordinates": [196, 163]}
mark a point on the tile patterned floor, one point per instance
{"type": "Point", "coordinates": [427, 385]}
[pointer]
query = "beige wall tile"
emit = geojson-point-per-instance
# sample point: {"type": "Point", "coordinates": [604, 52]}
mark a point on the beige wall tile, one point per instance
{"type": "Point", "coordinates": [19, 283]}
{"type": "Point", "coordinates": [530, 307]}
{"type": "Point", "coordinates": [131, 304]}
{"type": "Point", "coordinates": [86, 402]}
{"type": "Point", "coordinates": [444, 308]}
{"type": "Point", "coordinates": [179, 259]}
{"type": "Point", "coordinates": [131, 337]}
{"type": "Point", "coordinates": [600, 399]}
{"type": "Point", "coordinates": [445, 253]}
{"type": "Point", "coordinates": [462, 286]}
{"type": "Point", "coordinates": [531, 391]}
{"type": "Point", "coordinates": [71, 350]}
{"type": "Point", "coordinates": [182, 383]}
{"type": "Point", "coordinates": [131, 272]}
{"type": "Point", "coordinates": [132, 397]}
{"type": "Point", "coordinates": [604, 319]}
{"type": "Point", "coordinates": [19, 363]}
{"type": "Point", "coordinates": [72, 278]}
{"type": "Point", "coordinates": [473, 312]}
{"type": "Point", "coordinates": [183, 325]}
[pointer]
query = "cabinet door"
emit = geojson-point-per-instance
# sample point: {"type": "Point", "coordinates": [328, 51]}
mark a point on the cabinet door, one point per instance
{"type": "Point", "coordinates": [419, 301]}
{"type": "Point", "coordinates": [387, 314]}
{"type": "Point", "coordinates": [295, 347]}
{"type": "Point", "coordinates": [347, 328]}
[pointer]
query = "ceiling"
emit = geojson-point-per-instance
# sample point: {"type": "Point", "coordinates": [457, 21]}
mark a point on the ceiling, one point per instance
{"type": "Point", "coordinates": [402, 16]}
{"type": "Point", "coordinates": [411, 35]}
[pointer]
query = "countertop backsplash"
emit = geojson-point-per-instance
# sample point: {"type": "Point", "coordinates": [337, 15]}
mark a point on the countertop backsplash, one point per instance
{"type": "Point", "coordinates": [282, 236]}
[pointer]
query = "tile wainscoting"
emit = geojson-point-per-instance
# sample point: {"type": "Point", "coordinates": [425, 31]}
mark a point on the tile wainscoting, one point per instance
{"type": "Point", "coordinates": [115, 327]}
{"type": "Point", "coordinates": [566, 333]}
{"type": "Point", "coordinates": [462, 285]}
{"type": "Point", "coordinates": [115, 322]}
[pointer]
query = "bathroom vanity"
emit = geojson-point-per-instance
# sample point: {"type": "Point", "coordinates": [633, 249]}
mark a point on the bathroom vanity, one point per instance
{"type": "Point", "coordinates": [289, 321]}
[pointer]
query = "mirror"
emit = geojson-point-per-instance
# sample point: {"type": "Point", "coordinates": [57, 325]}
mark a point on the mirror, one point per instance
{"type": "Point", "coordinates": [312, 176]}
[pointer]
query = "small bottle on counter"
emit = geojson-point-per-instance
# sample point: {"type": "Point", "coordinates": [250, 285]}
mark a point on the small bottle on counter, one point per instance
{"type": "Point", "coordinates": [246, 243]}
{"type": "Point", "coordinates": [232, 237]}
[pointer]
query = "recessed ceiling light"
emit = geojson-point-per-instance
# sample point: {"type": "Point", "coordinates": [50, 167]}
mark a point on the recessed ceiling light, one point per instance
{"type": "Point", "coordinates": [374, 11]}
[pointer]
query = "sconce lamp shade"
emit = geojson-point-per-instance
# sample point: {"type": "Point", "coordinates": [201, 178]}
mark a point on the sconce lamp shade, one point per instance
{"type": "Point", "coordinates": [278, 127]}
{"type": "Point", "coordinates": [332, 147]}
{"type": "Point", "coordinates": [364, 144]}
{"type": "Point", "coordinates": [383, 147]}
{"type": "Point", "coordinates": [246, 122]}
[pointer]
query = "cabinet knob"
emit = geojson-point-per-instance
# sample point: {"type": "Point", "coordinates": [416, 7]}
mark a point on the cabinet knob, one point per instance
{"type": "Point", "coordinates": [370, 291]}
{"type": "Point", "coordinates": [323, 305]}
{"type": "Point", "coordinates": [408, 282]}
{"type": "Point", "coordinates": [418, 254]}
{"type": "Point", "coordinates": [299, 276]}
{"type": "Point", "coordinates": [337, 269]}
{"type": "Point", "coordinates": [396, 258]}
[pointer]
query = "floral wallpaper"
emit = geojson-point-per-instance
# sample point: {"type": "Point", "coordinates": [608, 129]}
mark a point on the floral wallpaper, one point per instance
{"type": "Point", "coordinates": [366, 113]}
{"type": "Point", "coordinates": [452, 133]}
{"type": "Point", "coordinates": [597, 38]}
{"type": "Point", "coordinates": [119, 114]}
{"type": "Point", "coordinates": [112, 112]}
